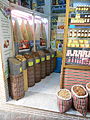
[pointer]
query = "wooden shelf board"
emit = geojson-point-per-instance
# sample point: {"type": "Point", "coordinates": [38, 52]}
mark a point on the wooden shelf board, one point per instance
{"type": "Point", "coordinates": [79, 24]}
{"type": "Point", "coordinates": [77, 67]}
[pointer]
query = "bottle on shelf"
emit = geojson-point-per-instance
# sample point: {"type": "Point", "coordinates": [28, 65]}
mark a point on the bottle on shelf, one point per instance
{"type": "Point", "coordinates": [75, 33]}
{"type": "Point", "coordinates": [79, 33]}
{"type": "Point", "coordinates": [70, 33]}
{"type": "Point", "coordinates": [89, 33]}
{"type": "Point", "coordinates": [86, 33]}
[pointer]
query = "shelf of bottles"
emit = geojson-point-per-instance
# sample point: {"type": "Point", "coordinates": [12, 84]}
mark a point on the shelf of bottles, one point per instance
{"type": "Point", "coordinates": [78, 44]}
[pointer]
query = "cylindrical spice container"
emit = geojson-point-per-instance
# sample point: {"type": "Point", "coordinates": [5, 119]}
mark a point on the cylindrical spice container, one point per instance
{"type": "Point", "coordinates": [16, 79]}
{"type": "Point", "coordinates": [37, 67]}
{"type": "Point", "coordinates": [47, 62]}
{"type": "Point", "coordinates": [30, 70]}
{"type": "Point", "coordinates": [52, 60]}
{"type": "Point", "coordinates": [43, 68]}
{"type": "Point", "coordinates": [22, 59]}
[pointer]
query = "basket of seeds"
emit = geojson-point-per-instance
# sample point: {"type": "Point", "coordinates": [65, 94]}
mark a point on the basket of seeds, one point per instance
{"type": "Point", "coordinates": [64, 100]}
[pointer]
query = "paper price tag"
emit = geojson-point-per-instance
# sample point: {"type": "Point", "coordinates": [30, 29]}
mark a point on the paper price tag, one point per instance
{"type": "Point", "coordinates": [48, 58]}
{"type": "Point", "coordinates": [37, 60]}
{"type": "Point", "coordinates": [30, 64]}
{"type": "Point", "coordinates": [43, 59]}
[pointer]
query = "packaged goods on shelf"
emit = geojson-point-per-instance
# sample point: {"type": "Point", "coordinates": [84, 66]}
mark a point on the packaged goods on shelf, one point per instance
{"type": "Point", "coordinates": [64, 100]}
{"type": "Point", "coordinates": [37, 66]}
{"type": "Point", "coordinates": [43, 66]}
{"type": "Point", "coordinates": [80, 96]}
{"type": "Point", "coordinates": [22, 59]}
{"type": "Point", "coordinates": [16, 79]}
{"type": "Point", "coordinates": [30, 70]}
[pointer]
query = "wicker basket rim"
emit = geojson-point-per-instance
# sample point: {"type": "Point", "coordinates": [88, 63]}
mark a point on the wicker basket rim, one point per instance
{"type": "Point", "coordinates": [64, 98]}
{"type": "Point", "coordinates": [76, 94]}
{"type": "Point", "coordinates": [87, 87]}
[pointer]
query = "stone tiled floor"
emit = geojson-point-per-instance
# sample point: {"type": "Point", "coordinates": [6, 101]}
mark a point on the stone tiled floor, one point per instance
{"type": "Point", "coordinates": [11, 112]}
{"type": "Point", "coordinates": [41, 97]}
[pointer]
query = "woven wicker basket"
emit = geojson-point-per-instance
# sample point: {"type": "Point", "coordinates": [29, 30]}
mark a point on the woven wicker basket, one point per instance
{"type": "Point", "coordinates": [64, 104]}
{"type": "Point", "coordinates": [37, 66]}
{"type": "Point", "coordinates": [48, 66]}
{"type": "Point", "coordinates": [31, 76]}
{"type": "Point", "coordinates": [17, 86]}
{"type": "Point", "coordinates": [43, 68]}
{"type": "Point", "coordinates": [53, 61]}
{"type": "Point", "coordinates": [80, 102]}
{"type": "Point", "coordinates": [88, 90]}
{"type": "Point", "coordinates": [37, 73]}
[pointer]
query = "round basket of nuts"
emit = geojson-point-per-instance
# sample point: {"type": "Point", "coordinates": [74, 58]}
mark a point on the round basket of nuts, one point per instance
{"type": "Point", "coordinates": [64, 100]}
{"type": "Point", "coordinates": [80, 98]}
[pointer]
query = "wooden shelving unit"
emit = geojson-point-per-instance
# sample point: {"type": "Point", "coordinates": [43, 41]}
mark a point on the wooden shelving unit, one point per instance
{"type": "Point", "coordinates": [71, 70]}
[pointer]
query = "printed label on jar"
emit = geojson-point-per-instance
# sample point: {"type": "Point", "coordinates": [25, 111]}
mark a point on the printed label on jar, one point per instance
{"type": "Point", "coordinates": [37, 60]}
{"type": "Point", "coordinates": [43, 59]}
{"type": "Point", "coordinates": [52, 55]}
{"type": "Point", "coordinates": [21, 69]}
{"type": "Point", "coordinates": [48, 58]}
{"type": "Point", "coordinates": [30, 64]}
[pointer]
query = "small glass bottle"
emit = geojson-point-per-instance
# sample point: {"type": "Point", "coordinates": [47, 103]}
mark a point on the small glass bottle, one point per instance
{"type": "Point", "coordinates": [70, 33]}
{"type": "Point", "coordinates": [79, 33]}
{"type": "Point", "coordinates": [89, 33]}
{"type": "Point", "coordinates": [82, 34]}
{"type": "Point", "coordinates": [86, 33]}
{"type": "Point", "coordinates": [75, 33]}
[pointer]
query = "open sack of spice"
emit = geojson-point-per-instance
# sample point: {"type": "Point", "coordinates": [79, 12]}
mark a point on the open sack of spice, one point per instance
{"type": "Point", "coordinates": [88, 90]}
{"type": "Point", "coordinates": [64, 100]}
{"type": "Point", "coordinates": [80, 99]}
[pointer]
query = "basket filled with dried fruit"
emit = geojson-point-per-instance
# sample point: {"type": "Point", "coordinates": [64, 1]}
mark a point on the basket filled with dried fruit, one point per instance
{"type": "Point", "coordinates": [22, 59]}
{"type": "Point", "coordinates": [88, 90]}
{"type": "Point", "coordinates": [30, 69]}
{"type": "Point", "coordinates": [80, 99]}
{"type": "Point", "coordinates": [16, 79]}
{"type": "Point", "coordinates": [64, 100]}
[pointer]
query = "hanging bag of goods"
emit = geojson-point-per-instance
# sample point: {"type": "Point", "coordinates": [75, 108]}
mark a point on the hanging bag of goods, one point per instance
{"type": "Point", "coordinates": [30, 70]}
{"type": "Point", "coordinates": [22, 59]}
{"type": "Point", "coordinates": [64, 100]}
{"type": "Point", "coordinates": [52, 59]}
{"type": "Point", "coordinates": [37, 67]}
{"type": "Point", "coordinates": [18, 36]}
{"type": "Point", "coordinates": [16, 79]}
{"type": "Point", "coordinates": [88, 89]}
{"type": "Point", "coordinates": [43, 68]}
{"type": "Point", "coordinates": [80, 99]}
{"type": "Point", "coordinates": [48, 63]}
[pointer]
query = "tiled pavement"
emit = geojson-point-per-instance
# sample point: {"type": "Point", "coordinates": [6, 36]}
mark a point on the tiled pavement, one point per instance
{"type": "Point", "coordinates": [11, 112]}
